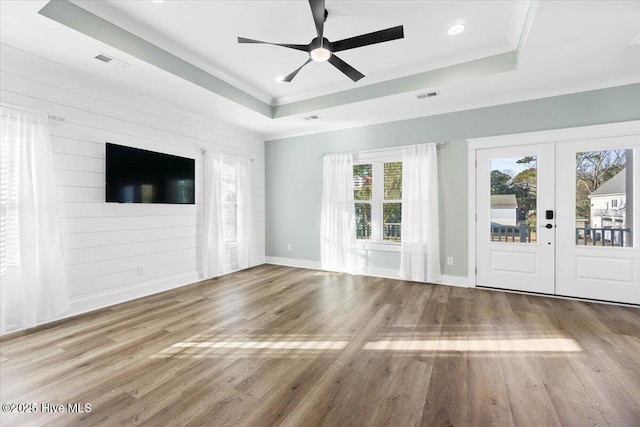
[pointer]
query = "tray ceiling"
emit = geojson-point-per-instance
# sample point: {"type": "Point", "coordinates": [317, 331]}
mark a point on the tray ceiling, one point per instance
{"type": "Point", "coordinates": [187, 51]}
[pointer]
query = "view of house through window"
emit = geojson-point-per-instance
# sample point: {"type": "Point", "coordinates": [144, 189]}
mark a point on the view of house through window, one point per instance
{"type": "Point", "coordinates": [603, 198]}
{"type": "Point", "coordinates": [514, 184]}
{"type": "Point", "coordinates": [377, 193]}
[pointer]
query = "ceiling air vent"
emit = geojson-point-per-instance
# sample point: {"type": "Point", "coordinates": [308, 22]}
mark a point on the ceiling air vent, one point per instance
{"type": "Point", "coordinates": [429, 94]}
{"type": "Point", "coordinates": [314, 117]}
{"type": "Point", "coordinates": [103, 58]}
{"type": "Point", "coordinates": [111, 60]}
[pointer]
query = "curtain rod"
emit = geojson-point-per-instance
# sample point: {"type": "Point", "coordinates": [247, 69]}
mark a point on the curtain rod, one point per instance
{"type": "Point", "coordinates": [438, 144]}
{"type": "Point", "coordinates": [29, 110]}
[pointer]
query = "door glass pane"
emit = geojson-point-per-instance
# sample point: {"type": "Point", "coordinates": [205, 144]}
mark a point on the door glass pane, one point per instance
{"type": "Point", "coordinates": [603, 198]}
{"type": "Point", "coordinates": [392, 222]}
{"type": "Point", "coordinates": [363, 221]}
{"type": "Point", "coordinates": [362, 182]}
{"type": "Point", "coordinates": [514, 184]}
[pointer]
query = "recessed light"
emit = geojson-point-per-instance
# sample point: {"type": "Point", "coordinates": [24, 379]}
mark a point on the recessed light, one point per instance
{"type": "Point", "coordinates": [158, 1]}
{"type": "Point", "coordinates": [456, 29]}
{"type": "Point", "coordinates": [279, 79]}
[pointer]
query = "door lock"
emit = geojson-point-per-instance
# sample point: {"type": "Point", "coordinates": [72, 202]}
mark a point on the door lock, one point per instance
{"type": "Point", "coordinates": [549, 225]}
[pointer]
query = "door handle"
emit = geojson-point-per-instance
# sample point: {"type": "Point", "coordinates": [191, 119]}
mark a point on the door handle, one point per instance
{"type": "Point", "coordinates": [549, 225]}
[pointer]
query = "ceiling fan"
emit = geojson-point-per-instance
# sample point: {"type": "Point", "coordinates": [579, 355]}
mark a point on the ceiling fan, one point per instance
{"type": "Point", "coordinates": [320, 49]}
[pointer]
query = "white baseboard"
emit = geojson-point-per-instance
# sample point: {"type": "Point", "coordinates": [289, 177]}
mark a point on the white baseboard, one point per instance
{"type": "Point", "coordinates": [81, 305]}
{"type": "Point", "coordinates": [92, 302]}
{"type": "Point", "coordinates": [97, 301]}
{"type": "Point", "coordinates": [387, 273]}
{"type": "Point", "coordinates": [293, 262]}
{"type": "Point", "coordinates": [460, 281]}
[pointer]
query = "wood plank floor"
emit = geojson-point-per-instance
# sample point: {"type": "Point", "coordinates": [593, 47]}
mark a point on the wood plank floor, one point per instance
{"type": "Point", "coordinates": [283, 346]}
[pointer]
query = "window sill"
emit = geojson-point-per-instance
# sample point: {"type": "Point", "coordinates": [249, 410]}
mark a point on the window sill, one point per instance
{"type": "Point", "coordinates": [379, 246]}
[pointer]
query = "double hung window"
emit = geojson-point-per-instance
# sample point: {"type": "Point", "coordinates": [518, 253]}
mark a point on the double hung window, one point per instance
{"type": "Point", "coordinates": [229, 204]}
{"type": "Point", "coordinates": [377, 194]}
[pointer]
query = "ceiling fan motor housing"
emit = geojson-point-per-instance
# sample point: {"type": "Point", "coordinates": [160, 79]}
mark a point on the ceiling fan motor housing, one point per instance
{"type": "Point", "coordinates": [320, 49]}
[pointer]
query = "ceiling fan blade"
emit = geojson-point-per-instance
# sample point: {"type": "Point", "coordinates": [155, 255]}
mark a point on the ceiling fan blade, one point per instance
{"type": "Point", "coordinates": [317, 9]}
{"type": "Point", "coordinates": [302, 47]}
{"type": "Point", "coordinates": [292, 75]}
{"type": "Point", "coordinates": [371, 38]}
{"type": "Point", "coordinates": [347, 69]}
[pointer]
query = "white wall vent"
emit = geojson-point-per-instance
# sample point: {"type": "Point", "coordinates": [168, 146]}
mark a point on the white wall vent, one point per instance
{"type": "Point", "coordinates": [428, 94]}
{"type": "Point", "coordinates": [111, 60]}
{"type": "Point", "coordinates": [104, 58]}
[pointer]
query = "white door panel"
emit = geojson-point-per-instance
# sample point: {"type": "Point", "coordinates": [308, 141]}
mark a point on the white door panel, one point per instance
{"type": "Point", "coordinates": [604, 264]}
{"type": "Point", "coordinates": [515, 250]}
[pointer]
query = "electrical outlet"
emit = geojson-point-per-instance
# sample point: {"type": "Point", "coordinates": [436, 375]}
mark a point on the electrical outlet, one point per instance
{"type": "Point", "coordinates": [450, 260]}
{"type": "Point", "coordinates": [139, 270]}
{"type": "Point", "coordinates": [289, 247]}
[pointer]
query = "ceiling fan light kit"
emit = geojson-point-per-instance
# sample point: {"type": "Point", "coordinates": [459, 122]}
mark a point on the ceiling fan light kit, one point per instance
{"type": "Point", "coordinates": [320, 49]}
{"type": "Point", "coordinates": [320, 54]}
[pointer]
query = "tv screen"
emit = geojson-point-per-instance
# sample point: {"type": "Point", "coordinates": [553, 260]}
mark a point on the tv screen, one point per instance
{"type": "Point", "coordinates": [140, 176]}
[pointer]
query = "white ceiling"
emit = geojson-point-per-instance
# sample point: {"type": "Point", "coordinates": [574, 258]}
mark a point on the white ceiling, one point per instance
{"type": "Point", "coordinates": [570, 46]}
{"type": "Point", "coordinates": [205, 33]}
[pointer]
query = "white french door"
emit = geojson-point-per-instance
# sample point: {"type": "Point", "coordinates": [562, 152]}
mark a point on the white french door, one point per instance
{"type": "Point", "coordinates": [601, 261]}
{"type": "Point", "coordinates": [559, 217]}
{"type": "Point", "coordinates": [515, 249]}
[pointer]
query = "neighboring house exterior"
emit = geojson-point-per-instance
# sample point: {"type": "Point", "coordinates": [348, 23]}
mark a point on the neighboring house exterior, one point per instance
{"type": "Point", "coordinates": [503, 209]}
{"type": "Point", "coordinates": [608, 203]}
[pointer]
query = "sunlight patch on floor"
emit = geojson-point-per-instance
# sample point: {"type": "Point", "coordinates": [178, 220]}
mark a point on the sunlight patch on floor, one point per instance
{"type": "Point", "coordinates": [488, 345]}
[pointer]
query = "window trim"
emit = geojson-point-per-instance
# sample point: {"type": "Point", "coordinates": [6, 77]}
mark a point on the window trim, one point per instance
{"type": "Point", "coordinates": [377, 160]}
{"type": "Point", "coordinates": [226, 204]}
{"type": "Point", "coordinates": [379, 246]}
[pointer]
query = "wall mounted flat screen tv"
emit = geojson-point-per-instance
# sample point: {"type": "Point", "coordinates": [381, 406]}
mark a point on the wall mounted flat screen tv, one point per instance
{"type": "Point", "coordinates": [140, 176]}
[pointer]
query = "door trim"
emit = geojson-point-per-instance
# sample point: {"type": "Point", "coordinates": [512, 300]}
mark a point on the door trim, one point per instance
{"type": "Point", "coordinates": [556, 135]}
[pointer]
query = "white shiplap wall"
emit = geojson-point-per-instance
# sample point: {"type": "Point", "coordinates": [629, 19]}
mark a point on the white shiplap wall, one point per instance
{"type": "Point", "coordinates": [105, 243]}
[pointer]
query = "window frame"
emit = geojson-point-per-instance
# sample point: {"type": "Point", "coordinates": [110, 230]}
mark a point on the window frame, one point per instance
{"type": "Point", "coordinates": [377, 160]}
{"type": "Point", "coordinates": [225, 204]}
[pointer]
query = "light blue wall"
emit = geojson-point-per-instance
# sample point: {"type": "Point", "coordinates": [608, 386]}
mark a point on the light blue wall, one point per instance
{"type": "Point", "coordinates": [294, 166]}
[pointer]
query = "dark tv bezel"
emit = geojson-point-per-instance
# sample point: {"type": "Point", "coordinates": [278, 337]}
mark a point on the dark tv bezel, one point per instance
{"type": "Point", "coordinates": [106, 180]}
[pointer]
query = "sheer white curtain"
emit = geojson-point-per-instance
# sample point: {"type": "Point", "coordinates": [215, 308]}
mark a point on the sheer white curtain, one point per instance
{"type": "Point", "coordinates": [228, 215]}
{"type": "Point", "coordinates": [244, 200]}
{"type": "Point", "coordinates": [338, 251]}
{"type": "Point", "coordinates": [214, 256]}
{"type": "Point", "coordinates": [33, 283]}
{"type": "Point", "coordinates": [420, 256]}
